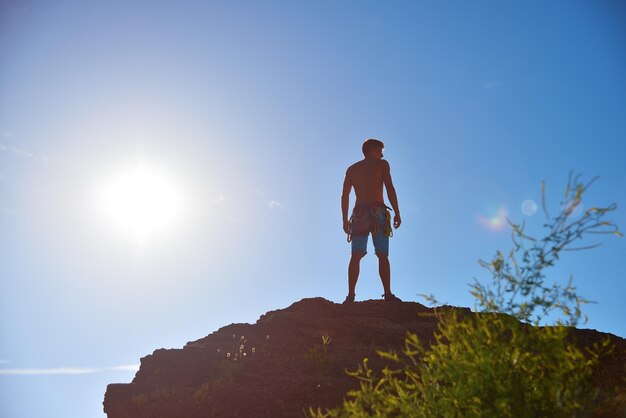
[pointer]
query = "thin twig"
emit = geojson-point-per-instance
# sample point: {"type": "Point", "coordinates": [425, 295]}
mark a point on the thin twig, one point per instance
{"type": "Point", "coordinates": [588, 247]}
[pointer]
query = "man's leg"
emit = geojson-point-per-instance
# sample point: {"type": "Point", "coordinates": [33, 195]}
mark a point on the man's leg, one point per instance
{"type": "Point", "coordinates": [353, 271]}
{"type": "Point", "coordinates": [384, 269]}
{"type": "Point", "coordinates": [381, 246]}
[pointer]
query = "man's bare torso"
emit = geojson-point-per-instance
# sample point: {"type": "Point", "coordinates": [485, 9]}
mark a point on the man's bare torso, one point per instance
{"type": "Point", "coordinates": [366, 177]}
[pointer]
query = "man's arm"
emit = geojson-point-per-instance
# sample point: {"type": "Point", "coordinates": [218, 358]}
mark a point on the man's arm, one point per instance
{"type": "Point", "coordinates": [391, 193]}
{"type": "Point", "coordinates": [345, 202]}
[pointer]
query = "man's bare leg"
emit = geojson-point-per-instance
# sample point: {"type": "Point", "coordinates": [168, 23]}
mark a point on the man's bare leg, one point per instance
{"type": "Point", "coordinates": [384, 270]}
{"type": "Point", "coordinates": [353, 271]}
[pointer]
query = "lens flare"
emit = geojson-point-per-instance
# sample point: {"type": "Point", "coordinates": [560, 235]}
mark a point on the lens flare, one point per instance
{"type": "Point", "coordinates": [529, 207]}
{"type": "Point", "coordinates": [495, 220]}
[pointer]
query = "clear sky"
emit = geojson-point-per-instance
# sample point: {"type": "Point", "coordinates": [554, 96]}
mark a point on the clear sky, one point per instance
{"type": "Point", "coordinates": [233, 123]}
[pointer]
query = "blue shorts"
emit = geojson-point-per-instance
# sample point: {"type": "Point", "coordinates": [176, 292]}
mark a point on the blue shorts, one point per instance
{"type": "Point", "coordinates": [380, 239]}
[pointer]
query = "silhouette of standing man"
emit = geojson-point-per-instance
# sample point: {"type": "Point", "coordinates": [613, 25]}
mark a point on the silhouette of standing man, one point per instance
{"type": "Point", "coordinates": [370, 214]}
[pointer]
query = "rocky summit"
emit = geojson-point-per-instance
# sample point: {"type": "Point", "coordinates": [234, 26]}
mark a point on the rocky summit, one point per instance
{"type": "Point", "coordinates": [297, 357]}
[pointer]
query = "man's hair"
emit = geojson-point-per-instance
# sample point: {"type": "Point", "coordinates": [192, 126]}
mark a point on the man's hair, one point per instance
{"type": "Point", "coordinates": [371, 143]}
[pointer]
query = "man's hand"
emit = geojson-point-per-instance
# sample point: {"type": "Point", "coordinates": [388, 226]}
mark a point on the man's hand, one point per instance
{"type": "Point", "coordinates": [346, 226]}
{"type": "Point", "coordinates": [397, 221]}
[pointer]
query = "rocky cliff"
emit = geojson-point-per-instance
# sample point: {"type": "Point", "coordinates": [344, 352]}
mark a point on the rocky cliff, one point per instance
{"type": "Point", "coordinates": [291, 359]}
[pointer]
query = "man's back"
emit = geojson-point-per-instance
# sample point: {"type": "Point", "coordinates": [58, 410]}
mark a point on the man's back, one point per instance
{"type": "Point", "coordinates": [367, 178]}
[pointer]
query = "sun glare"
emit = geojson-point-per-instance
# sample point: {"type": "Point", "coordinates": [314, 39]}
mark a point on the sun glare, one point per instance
{"type": "Point", "coordinates": [496, 221]}
{"type": "Point", "coordinates": [141, 201]}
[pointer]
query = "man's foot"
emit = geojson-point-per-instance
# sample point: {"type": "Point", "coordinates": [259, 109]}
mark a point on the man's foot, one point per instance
{"type": "Point", "coordinates": [390, 297]}
{"type": "Point", "coordinates": [349, 299]}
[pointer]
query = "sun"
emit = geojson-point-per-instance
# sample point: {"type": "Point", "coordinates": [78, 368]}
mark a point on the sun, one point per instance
{"type": "Point", "coordinates": [141, 201]}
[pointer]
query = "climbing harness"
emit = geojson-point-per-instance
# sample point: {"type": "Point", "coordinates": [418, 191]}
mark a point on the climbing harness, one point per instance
{"type": "Point", "coordinates": [365, 218]}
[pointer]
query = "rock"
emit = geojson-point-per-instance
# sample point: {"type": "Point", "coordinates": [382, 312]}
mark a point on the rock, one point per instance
{"type": "Point", "coordinates": [287, 367]}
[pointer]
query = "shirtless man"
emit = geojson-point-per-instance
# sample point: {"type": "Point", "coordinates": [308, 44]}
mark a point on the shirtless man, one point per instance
{"type": "Point", "coordinates": [368, 177]}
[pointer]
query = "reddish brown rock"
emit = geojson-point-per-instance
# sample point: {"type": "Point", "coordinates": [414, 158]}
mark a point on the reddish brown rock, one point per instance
{"type": "Point", "coordinates": [292, 369]}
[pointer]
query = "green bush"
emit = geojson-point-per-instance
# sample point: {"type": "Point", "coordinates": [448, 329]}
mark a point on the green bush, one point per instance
{"type": "Point", "coordinates": [482, 367]}
{"type": "Point", "coordinates": [498, 363]}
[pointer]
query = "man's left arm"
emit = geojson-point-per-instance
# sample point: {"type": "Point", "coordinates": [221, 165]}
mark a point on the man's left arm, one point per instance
{"type": "Point", "coordinates": [391, 193]}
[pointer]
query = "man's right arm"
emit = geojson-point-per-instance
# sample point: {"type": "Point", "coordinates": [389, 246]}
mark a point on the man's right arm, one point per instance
{"type": "Point", "coordinates": [345, 202]}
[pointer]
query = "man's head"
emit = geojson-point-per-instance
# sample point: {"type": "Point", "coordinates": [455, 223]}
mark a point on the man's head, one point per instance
{"type": "Point", "coordinates": [373, 148]}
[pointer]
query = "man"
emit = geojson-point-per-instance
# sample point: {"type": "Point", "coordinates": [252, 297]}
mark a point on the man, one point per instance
{"type": "Point", "coordinates": [370, 214]}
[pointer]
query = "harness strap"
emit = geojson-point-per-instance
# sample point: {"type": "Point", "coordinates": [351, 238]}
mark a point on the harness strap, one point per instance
{"type": "Point", "coordinates": [349, 238]}
{"type": "Point", "coordinates": [372, 205]}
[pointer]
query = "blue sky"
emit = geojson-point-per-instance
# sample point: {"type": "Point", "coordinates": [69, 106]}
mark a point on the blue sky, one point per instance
{"type": "Point", "coordinates": [252, 111]}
